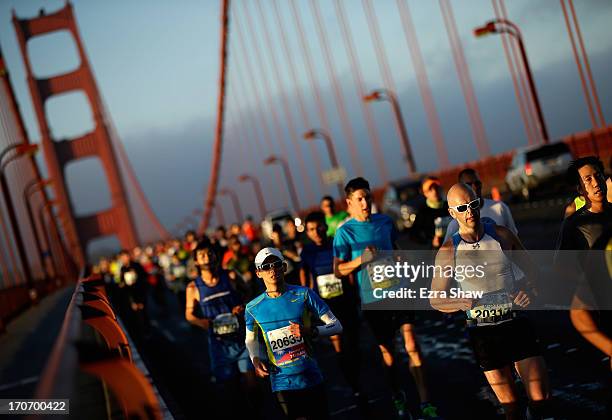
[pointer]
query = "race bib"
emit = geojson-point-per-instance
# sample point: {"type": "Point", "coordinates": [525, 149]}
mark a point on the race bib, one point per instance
{"type": "Point", "coordinates": [491, 304]}
{"type": "Point", "coordinates": [225, 324]}
{"type": "Point", "coordinates": [286, 347]}
{"type": "Point", "coordinates": [379, 281]}
{"type": "Point", "coordinates": [329, 286]}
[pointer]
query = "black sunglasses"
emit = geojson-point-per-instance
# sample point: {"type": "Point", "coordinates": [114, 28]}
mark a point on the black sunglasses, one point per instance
{"type": "Point", "coordinates": [461, 208]}
{"type": "Point", "coordinates": [271, 266]}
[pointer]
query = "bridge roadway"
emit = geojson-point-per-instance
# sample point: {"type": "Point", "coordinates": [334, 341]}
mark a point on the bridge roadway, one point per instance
{"type": "Point", "coordinates": [176, 356]}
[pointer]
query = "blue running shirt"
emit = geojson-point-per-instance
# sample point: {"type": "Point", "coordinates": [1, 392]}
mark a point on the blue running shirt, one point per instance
{"type": "Point", "coordinates": [291, 363]}
{"type": "Point", "coordinates": [353, 237]}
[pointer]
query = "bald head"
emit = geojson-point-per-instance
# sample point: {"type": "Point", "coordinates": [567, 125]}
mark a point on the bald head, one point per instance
{"type": "Point", "coordinates": [460, 193]}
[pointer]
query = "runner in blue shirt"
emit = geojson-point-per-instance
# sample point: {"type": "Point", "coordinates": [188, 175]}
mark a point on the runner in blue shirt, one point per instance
{"type": "Point", "coordinates": [282, 315]}
{"type": "Point", "coordinates": [355, 245]}
{"type": "Point", "coordinates": [317, 273]}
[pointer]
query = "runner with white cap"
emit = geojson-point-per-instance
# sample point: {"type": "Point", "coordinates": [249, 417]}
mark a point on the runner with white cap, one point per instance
{"type": "Point", "coordinates": [282, 315]}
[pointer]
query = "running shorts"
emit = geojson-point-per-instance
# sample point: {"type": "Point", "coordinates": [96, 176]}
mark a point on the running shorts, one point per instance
{"type": "Point", "coordinates": [497, 346]}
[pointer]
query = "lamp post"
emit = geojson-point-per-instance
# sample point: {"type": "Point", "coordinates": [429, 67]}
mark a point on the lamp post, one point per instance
{"type": "Point", "coordinates": [235, 202]}
{"type": "Point", "coordinates": [290, 185]}
{"type": "Point", "coordinates": [498, 26]}
{"type": "Point", "coordinates": [331, 151]}
{"type": "Point", "coordinates": [388, 95]}
{"type": "Point", "coordinates": [30, 189]}
{"type": "Point", "coordinates": [49, 231]}
{"type": "Point", "coordinates": [20, 150]}
{"type": "Point", "coordinates": [258, 192]}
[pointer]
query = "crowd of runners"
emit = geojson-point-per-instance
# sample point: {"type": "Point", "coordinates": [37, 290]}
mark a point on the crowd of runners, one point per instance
{"type": "Point", "coordinates": [264, 302]}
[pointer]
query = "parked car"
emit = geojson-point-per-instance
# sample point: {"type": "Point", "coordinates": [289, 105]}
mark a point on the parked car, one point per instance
{"type": "Point", "coordinates": [401, 201]}
{"type": "Point", "coordinates": [277, 217]}
{"type": "Point", "coordinates": [535, 166]}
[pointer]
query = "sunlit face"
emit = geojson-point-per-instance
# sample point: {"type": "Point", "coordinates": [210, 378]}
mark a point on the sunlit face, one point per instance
{"type": "Point", "coordinates": [359, 204]}
{"type": "Point", "coordinates": [206, 259]}
{"type": "Point", "coordinates": [327, 207]}
{"type": "Point", "coordinates": [316, 232]}
{"type": "Point", "coordinates": [592, 184]}
{"type": "Point", "coordinates": [272, 277]}
{"type": "Point", "coordinates": [433, 193]}
{"type": "Point", "coordinates": [469, 218]}
{"type": "Point", "coordinates": [474, 182]}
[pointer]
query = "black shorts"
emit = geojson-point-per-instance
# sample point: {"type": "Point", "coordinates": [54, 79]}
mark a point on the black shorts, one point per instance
{"type": "Point", "coordinates": [308, 402]}
{"type": "Point", "coordinates": [497, 346]}
{"type": "Point", "coordinates": [384, 324]}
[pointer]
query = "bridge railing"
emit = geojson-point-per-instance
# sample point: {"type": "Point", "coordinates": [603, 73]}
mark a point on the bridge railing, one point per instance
{"type": "Point", "coordinates": [91, 362]}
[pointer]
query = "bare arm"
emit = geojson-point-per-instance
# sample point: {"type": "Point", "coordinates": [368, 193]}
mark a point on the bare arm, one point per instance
{"type": "Point", "coordinates": [586, 325]}
{"type": "Point", "coordinates": [305, 277]}
{"type": "Point", "coordinates": [440, 283]}
{"type": "Point", "coordinates": [344, 268]}
{"type": "Point", "coordinates": [194, 296]}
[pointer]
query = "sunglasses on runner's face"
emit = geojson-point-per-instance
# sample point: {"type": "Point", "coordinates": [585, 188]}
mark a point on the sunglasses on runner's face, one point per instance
{"type": "Point", "coordinates": [462, 208]}
{"type": "Point", "coordinates": [271, 266]}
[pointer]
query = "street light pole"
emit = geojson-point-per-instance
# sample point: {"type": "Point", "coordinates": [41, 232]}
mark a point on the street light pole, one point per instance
{"type": "Point", "coordinates": [505, 26]}
{"type": "Point", "coordinates": [258, 192]}
{"type": "Point", "coordinates": [235, 202]}
{"type": "Point", "coordinates": [30, 189]}
{"type": "Point", "coordinates": [333, 158]}
{"type": "Point", "coordinates": [290, 185]}
{"type": "Point", "coordinates": [388, 95]}
{"type": "Point", "coordinates": [47, 230]}
{"type": "Point", "coordinates": [20, 150]}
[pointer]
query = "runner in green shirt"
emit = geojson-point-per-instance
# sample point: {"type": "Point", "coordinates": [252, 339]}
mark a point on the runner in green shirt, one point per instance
{"type": "Point", "coordinates": [332, 218]}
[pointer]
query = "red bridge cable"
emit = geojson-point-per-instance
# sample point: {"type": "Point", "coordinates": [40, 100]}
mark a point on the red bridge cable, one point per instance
{"type": "Point", "coordinates": [360, 88]}
{"type": "Point", "coordinates": [266, 86]}
{"type": "Point", "coordinates": [585, 88]}
{"type": "Point", "coordinates": [522, 71]}
{"type": "Point", "coordinates": [159, 227]}
{"type": "Point", "coordinates": [587, 65]}
{"type": "Point", "coordinates": [338, 94]}
{"type": "Point", "coordinates": [515, 74]}
{"type": "Point", "coordinates": [298, 91]}
{"type": "Point", "coordinates": [263, 123]}
{"type": "Point", "coordinates": [314, 84]}
{"type": "Point", "coordinates": [295, 136]}
{"type": "Point", "coordinates": [218, 145]}
{"type": "Point", "coordinates": [465, 79]}
{"type": "Point", "coordinates": [421, 72]}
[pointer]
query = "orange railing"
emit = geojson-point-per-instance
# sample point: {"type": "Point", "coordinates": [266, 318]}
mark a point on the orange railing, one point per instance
{"type": "Point", "coordinates": [92, 356]}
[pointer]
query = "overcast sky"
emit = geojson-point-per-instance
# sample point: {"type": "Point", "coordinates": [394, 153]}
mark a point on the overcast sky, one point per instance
{"type": "Point", "coordinates": [156, 64]}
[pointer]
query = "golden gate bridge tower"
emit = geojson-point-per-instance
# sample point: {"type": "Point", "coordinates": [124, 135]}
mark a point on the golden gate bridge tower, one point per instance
{"type": "Point", "coordinates": [116, 220]}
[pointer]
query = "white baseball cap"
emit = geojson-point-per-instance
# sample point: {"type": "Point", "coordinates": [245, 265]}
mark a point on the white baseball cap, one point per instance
{"type": "Point", "coordinates": [265, 253]}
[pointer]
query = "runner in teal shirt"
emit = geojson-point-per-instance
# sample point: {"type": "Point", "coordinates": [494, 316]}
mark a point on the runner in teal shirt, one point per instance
{"type": "Point", "coordinates": [282, 315]}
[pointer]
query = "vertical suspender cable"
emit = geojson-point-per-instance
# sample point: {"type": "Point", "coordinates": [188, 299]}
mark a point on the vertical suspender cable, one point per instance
{"type": "Point", "coordinates": [338, 94]}
{"type": "Point", "coordinates": [521, 98]}
{"type": "Point", "coordinates": [349, 46]}
{"type": "Point", "coordinates": [295, 137]}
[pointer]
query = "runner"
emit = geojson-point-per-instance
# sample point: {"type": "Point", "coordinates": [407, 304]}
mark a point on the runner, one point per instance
{"type": "Point", "coordinates": [222, 318]}
{"type": "Point", "coordinates": [282, 315]}
{"type": "Point", "coordinates": [490, 210]}
{"type": "Point", "coordinates": [432, 216]}
{"type": "Point", "coordinates": [589, 228]}
{"type": "Point", "coordinates": [317, 273]}
{"type": "Point", "coordinates": [373, 232]}
{"type": "Point", "coordinates": [503, 341]}
{"type": "Point", "coordinates": [332, 219]}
